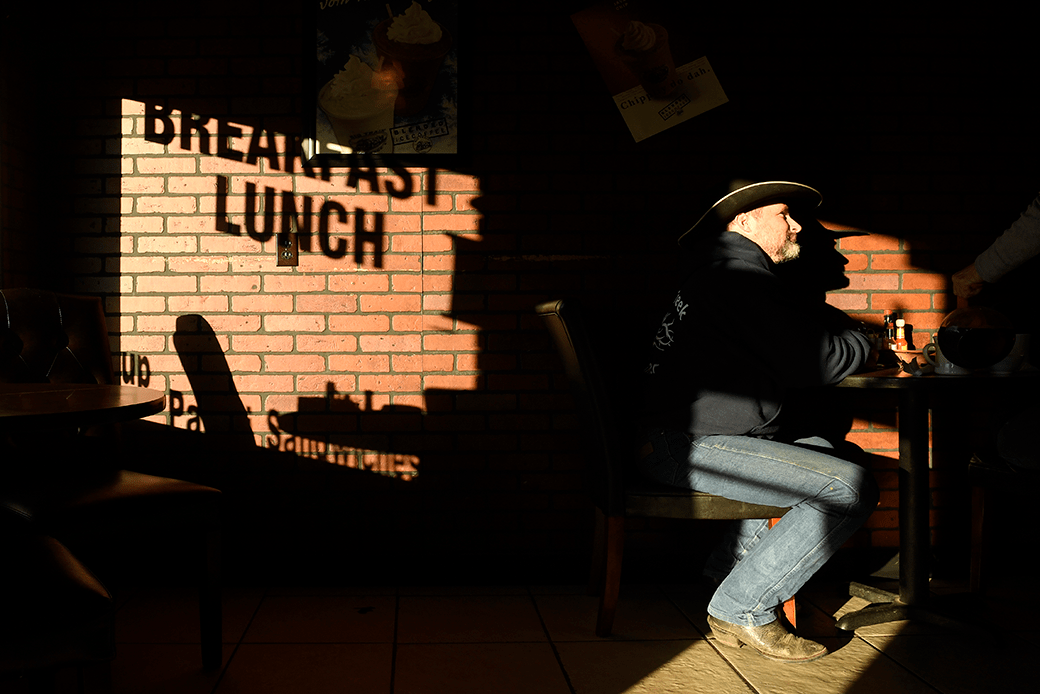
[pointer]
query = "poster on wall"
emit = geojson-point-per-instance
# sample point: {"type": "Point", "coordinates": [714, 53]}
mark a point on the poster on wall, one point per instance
{"type": "Point", "coordinates": [649, 58]}
{"type": "Point", "coordinates": [385, 79]}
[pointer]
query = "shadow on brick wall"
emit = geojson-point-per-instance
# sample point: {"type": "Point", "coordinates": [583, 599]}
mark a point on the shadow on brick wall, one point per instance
{"type": "Point", "coordinates": [290, 515]}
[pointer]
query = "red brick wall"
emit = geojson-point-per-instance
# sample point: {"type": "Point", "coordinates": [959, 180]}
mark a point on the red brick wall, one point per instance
{"type": "Point", "coordinates": [416, 351]}
{"type": "Point", "coordinates": [361, 314]}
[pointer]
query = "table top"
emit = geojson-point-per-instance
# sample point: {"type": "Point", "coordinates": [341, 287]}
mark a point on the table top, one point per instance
{"type": "Point", "coordinates": [63, 405]}
{"type": "Point", "coordinates": [898, 379]}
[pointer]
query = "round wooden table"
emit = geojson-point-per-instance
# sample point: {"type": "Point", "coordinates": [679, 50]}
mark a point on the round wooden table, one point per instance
{"type": "Point", "coordinates": [915, 396]}
{"type": "Point", "coordinates": [41, 406]}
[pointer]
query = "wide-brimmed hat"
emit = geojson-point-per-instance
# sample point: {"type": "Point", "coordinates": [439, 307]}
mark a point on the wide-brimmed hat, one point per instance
{"type": "Point", "coordinates": [747, 195]}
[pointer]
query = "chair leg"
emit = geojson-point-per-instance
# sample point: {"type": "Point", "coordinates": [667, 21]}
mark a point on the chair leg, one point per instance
{"type": "Point", "coordinates": [614, 544]}
{"type": "Point", "coordinates": [978, 536]}
{"type": "Point", "coordinates": [789, 612]}
{"type": "Point", "coordinates": [597, 570]}
{"type": "Point", "coordinates": [210, 618]}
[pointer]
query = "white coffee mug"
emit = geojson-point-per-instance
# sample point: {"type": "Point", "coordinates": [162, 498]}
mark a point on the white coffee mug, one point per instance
{"type": "Point", "coordinates": [934, 356]}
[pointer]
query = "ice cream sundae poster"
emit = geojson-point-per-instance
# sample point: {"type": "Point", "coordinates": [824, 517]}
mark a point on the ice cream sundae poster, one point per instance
{"type": "Point", "coordinates": [385, 78]}
{"type": "Point", "coordinates": [650, 62]}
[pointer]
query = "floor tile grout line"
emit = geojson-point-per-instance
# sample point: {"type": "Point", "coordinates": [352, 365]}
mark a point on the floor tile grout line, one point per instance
{"type": "Point", "coordinates": [257, 600]}
{"type": "Point", "coordinates": [710, 641]}
{"type": "Point", "coordinates": [338, 642]}
{"type": "Point", "coordinates": [393, 647]}
{"type": "Point", "coordinates": [672, 601]}
{"type": "Point", "coordinates": [239, 641]}
{"type": "Point", "coordinates": [881, 653]}
{"type": "Point", "coordinates": [552, 643]}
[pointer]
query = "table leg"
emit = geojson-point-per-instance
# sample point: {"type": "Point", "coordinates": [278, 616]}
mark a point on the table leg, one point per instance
{"type": "Point", "coordinates": [914, 495]}
{"type": "Point", "coordinates": [914, 533]}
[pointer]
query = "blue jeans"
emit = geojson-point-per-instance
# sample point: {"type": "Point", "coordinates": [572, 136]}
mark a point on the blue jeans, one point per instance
{"type": "Point", "coordinates": [759, 567]}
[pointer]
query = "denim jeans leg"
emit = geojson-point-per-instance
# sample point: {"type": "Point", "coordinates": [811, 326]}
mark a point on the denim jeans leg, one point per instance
{"type": "Point", "coordinates": [738, 539]}
{"type": "Point", "coordinates": [741, 535]}
{"type": "Point", "coordinates": [829, 499]}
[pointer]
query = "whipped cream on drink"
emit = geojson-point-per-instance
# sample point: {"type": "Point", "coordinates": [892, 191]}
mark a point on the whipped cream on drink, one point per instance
{"type": "Point", "coordinates": [412, 47]}
{"type": "Point", "coordinates": [414, 26]}
{"type": "Point", "coordinates": [351, 89]}
{"type": "Point", "coordinates": [638, 37]}
{"type": "Point", "coordinates": [644, 49]}
{"type": "Point", "coordinates": [359, 104]}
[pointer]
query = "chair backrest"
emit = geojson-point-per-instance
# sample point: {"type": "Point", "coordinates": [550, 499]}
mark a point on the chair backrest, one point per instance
{"type": "Point", "coordinates": [53, 338]}
{"type": "Point", "coordinates": [609, 448]}
{"type": "Point", "coordinates": [611, 444]}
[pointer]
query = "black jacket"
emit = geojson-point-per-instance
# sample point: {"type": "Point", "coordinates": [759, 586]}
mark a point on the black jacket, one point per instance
{"type": "Point", "coordinates": [734, 343]}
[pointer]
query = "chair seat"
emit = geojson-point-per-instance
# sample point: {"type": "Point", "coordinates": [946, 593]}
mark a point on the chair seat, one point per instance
{"type": "Point", "coordinates": [991, 469]}
{"type": "Point", "coordinates": [55, 611]}
{"type": "Point", "coordinates": [647, 499]}
{"type": "Point", "coordinates": [45, 501]}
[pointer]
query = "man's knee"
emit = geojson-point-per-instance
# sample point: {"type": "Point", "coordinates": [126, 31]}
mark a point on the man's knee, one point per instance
{"type": "Point", "coordinates": [854, 493]}
{"type": "Point", "coordinates": [864, 493]}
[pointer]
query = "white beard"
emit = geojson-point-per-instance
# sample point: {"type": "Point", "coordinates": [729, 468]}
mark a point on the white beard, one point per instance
{"type": "Point", "coordinates": [789, 251]}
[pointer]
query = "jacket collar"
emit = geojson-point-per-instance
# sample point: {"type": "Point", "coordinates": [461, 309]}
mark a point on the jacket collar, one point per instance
{"type": "Point", "coordinates": [732, 246]}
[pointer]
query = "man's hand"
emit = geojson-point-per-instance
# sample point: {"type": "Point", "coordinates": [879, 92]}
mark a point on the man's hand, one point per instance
{"type": "Point", "coordinates": [967, 283]}
{"type": "Point", "coordinates": [872, 363]}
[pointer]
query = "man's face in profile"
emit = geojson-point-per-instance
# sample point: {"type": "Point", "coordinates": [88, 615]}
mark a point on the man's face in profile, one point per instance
{"type": "Point", "coordinates": [775, 231]}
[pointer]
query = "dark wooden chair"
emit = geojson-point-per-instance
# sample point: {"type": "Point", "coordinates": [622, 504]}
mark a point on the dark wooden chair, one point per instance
{"type": "Point", "coordinates": [992, 478]}
{"type": "Point", "coordinates": [616, 492]}
{"type": "Point", "coordinates": [56, 613]}
{"type": "Point", "coordinates": [80, 486]}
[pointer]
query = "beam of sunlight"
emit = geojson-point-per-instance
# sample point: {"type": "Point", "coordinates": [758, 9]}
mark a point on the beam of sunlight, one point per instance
{"type": "Point", "coordinates": [192, 244]}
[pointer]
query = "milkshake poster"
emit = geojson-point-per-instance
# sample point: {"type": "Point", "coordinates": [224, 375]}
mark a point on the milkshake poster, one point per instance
{"type": "Point", "coordinates": [650, 62]}
{"type": "Point", "coordinates": [386, 78]}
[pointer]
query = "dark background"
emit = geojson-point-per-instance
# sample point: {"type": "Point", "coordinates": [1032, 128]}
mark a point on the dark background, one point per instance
{"type": "Point", "coordinates": [916, 124]}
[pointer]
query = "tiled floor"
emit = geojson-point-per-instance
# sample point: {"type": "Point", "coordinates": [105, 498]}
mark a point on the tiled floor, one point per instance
{"type": "Point", "coordinates": [538, 640]}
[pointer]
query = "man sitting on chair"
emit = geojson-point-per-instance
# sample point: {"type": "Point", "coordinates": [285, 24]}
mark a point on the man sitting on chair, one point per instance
{"type": "Point", "coordinates": [732, 344]}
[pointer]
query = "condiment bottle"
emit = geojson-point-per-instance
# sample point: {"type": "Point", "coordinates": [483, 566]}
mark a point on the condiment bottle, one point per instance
{"type": "Point", "coordinates": [890, 329]}
{"type": "Point", "coordinates": [900, 341]}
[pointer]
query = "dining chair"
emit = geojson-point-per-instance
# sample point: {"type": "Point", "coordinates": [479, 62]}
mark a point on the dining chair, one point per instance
{"type": "Point", "coordinates": [616, 490]}
{"type": "Point", "coordinates": [56, 613]}
{"type": "Point", "coordinates": [992, 478]}
{"type": "Point", "coordinates": [81, 486]}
